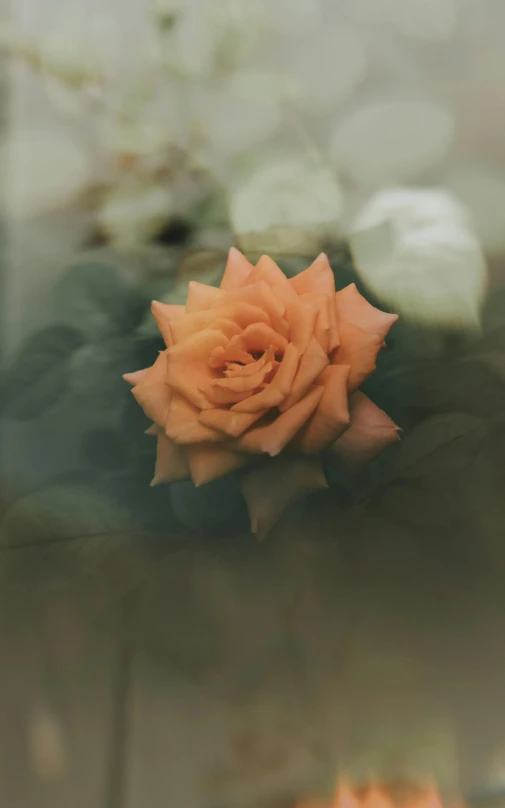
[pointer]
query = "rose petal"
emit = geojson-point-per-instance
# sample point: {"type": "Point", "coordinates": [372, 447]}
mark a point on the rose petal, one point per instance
{"type": "Point", "coordinates": [236, 271]}
{"type": "Point", "coordinates": [217, 397]}
{"type": "Point", "coordinates": [270, 487]}
{"type": "Point", "coordinates": [229, 422]}
{"type": "Point", "coordinates": [331, 417]}
{"type": "Point", "coordinates": [273, 437]}
{"type": "Point", "coordinates": [301, 316]}
{"type": "Point", "coordinates": [256, 294]}
{"type": "Point", "coordinates": [322, 328]}
{"type": "Point", "coordinates": [316, 279]}
{"type": "Point", "coordinates": [183, 424]}
{"type": "Point", "coordinates": [259, 337]}
{"type": "Point", "coordinates": [171, 462]}
{"type": "Point", "coordinates": [164, 314]}
{"type": "Point", "coordinates": [312, 364]}
{"type": "Point", "coordinates": [152, 392]}
{"type": "Point", "coordinates": [207, 463]}
{"type": "Point", "coordinates": [233, 369]}
{"type": "Point", "coordinates": [240, 313]}
{"type": "Point", "coordinates": [359, 350]}
{"type": "Point", "coordinates": [188, 366]}
{"type": "Point", "coordinates": [268, 271]}
{"type": "Point", "coordinates": [200, 296]}
{"type": "Point", "coordinates": [228, 327]}
{"type": "Point", "coordinates": [243, 384]}
{"type": "Point", "coordinates": [353, 308]}
{"type": "Point", "coordinates": [276, 391]}
{"type": "Point", "coordinates": [135, 377]}
{"type": "Point", "coordinates": [229, 353]}
{"type": "Point", "coordinates": [370, 432]}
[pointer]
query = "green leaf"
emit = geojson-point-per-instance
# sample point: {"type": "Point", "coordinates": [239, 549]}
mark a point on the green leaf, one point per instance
{"type": "Point", "coordinates": [94, 298]}
{"type": "Point", "coordinates": [39, 373]}
{"type": "Point", "coordinates": [59, 531]}
{"type": "Point", "coordinates": [211, 505]}
{"type": "Point", "coordinates": [439, 441]}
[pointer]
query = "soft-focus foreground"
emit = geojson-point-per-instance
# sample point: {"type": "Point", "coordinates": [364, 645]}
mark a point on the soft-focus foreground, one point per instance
{"type": "Point", "coordinates": [402, 795]}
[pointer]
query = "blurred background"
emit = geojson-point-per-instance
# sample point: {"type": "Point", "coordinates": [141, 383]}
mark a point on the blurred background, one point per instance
{"type": "Point", "coordinates": [154, 655]}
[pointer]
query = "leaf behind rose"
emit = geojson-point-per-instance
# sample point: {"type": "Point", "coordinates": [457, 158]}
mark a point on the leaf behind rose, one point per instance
{"type": "Point", "coordinates": [39, 372]}
{"type": "Point", "coordinates": [93, 297]}
{"type": "Point", "coordinates": [438, 440]}
{"type": "Point", "coordinates": [58, 532]}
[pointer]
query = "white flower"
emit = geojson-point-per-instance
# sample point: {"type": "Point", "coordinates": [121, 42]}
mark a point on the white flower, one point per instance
{"type": "Point", "coordinates": [415, 249]}
{"type": "Point", "coordinates": [391, 139]}
{"type": "Point", "coordinates": [43, 168]}
{"type": "Point", "coordinates": [134, 211]}
{"type": "Point", "coordinates": [286, 204]}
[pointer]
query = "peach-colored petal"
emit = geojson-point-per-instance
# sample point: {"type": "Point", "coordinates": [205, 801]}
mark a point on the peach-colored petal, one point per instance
{"type": "Point", "coordinates": [332, 415]}
{"type": "Point", "coordinates": [334, 340]}
{"type": "Point", "coordinates": [228, 327]}
{"type": "Point", "coordinates": [171, 462]}
{"type": "Point", "coordinates": [207, 463]}
{"type": "Point", "coordinates": [135, 377]}
{"type": "Point", "coordinates": [268, 271]}
{"type": "Point", "coordinates": [152, 392]}
{"type": "Point", "coordinates": [274, 436]}
{"type": "Point", "coordinates": [243, 384]}
{"type": "Point", "coordinates": [370, 432]}
{"type": "Point", "coordinates": [271, 486]}
{"type": "Point", "coordinates": [322, 328]}
{"type": "Point", "coordinates": [236, 272]}
{"type": "Point", "coordinates": [222, 398]}
{"type": "Point", "coordinates": [229, 422]}
{"type": "Point", "coordinates": [312, 364]}
{"type": "Point", "coordinates": [359, 350]}
{"type": "Point", "coordinates": [165, 314]}
{"type": "Point", "coordinates": [301, 316]}
{"type": "Point", "coordinates": [229, 353]}
{"type": "Point", "coordinates": [183, 424]}
{"type": "Point", "coordinates": [352, 307]}
{"type": "Point", "coordinates": [234, 369]}
{"type": "Point", "coordinates": [259, 337]}
{"type": "Point", "coordinates": [316, 279]}
{"type": "Point", "coordinates": [240, 313]}
{"type": "Point", "coordinates": [201, 296]}
{"type": "Point", "coordinates": [188, 367]}
{"type": "Point", "coordinates": [258, 294]}
{"type": "Point", "coordinates": [276, 391]}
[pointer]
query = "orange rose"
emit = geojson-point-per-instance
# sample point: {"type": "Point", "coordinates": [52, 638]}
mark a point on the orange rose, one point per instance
{"type": "Point", "coordinates": [265, 367]}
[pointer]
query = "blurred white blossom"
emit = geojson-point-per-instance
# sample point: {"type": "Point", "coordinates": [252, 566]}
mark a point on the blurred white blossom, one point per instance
{"type": "Point", "coordinates": [329, 66]}
{"type": "Point", "coordinates": [44, 168]}
{"type": "Point", "coordinates": [293, 17]}
{"type": "Point", "coordinates": [134, 211]}
{"type": "Point", "coordinates": [288, 204]}
{"type": "Point", "coordinates": [390, 140]}
{"type": "Point", "coordinates": [415, 249]}
{"type": "Point", "coordinates": [482, 190]}
{"type": "Point", "coordinates": [423, 19]}
{"type": "Point", "coordinates": [131, 138]}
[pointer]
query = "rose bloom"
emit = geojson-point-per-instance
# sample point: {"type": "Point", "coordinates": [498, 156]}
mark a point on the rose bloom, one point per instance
{"type": "Point", "coordinates": [262, 375]}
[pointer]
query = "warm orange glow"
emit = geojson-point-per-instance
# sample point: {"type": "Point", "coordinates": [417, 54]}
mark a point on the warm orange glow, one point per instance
{"type": "Point", "coordinates": [380, 796]}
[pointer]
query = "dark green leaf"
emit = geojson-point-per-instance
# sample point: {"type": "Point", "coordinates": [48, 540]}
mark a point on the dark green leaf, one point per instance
{"type": "Point", "coordinates": [426, 441]}
{"type": "Point", "coordinates": [211, 505]}
{"type": "Point", "coordinates": [93, 297]}
{"type": "Point", "coordinates": [60, 531]}
{"type": "Point", "coordinates": [39, 373]}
